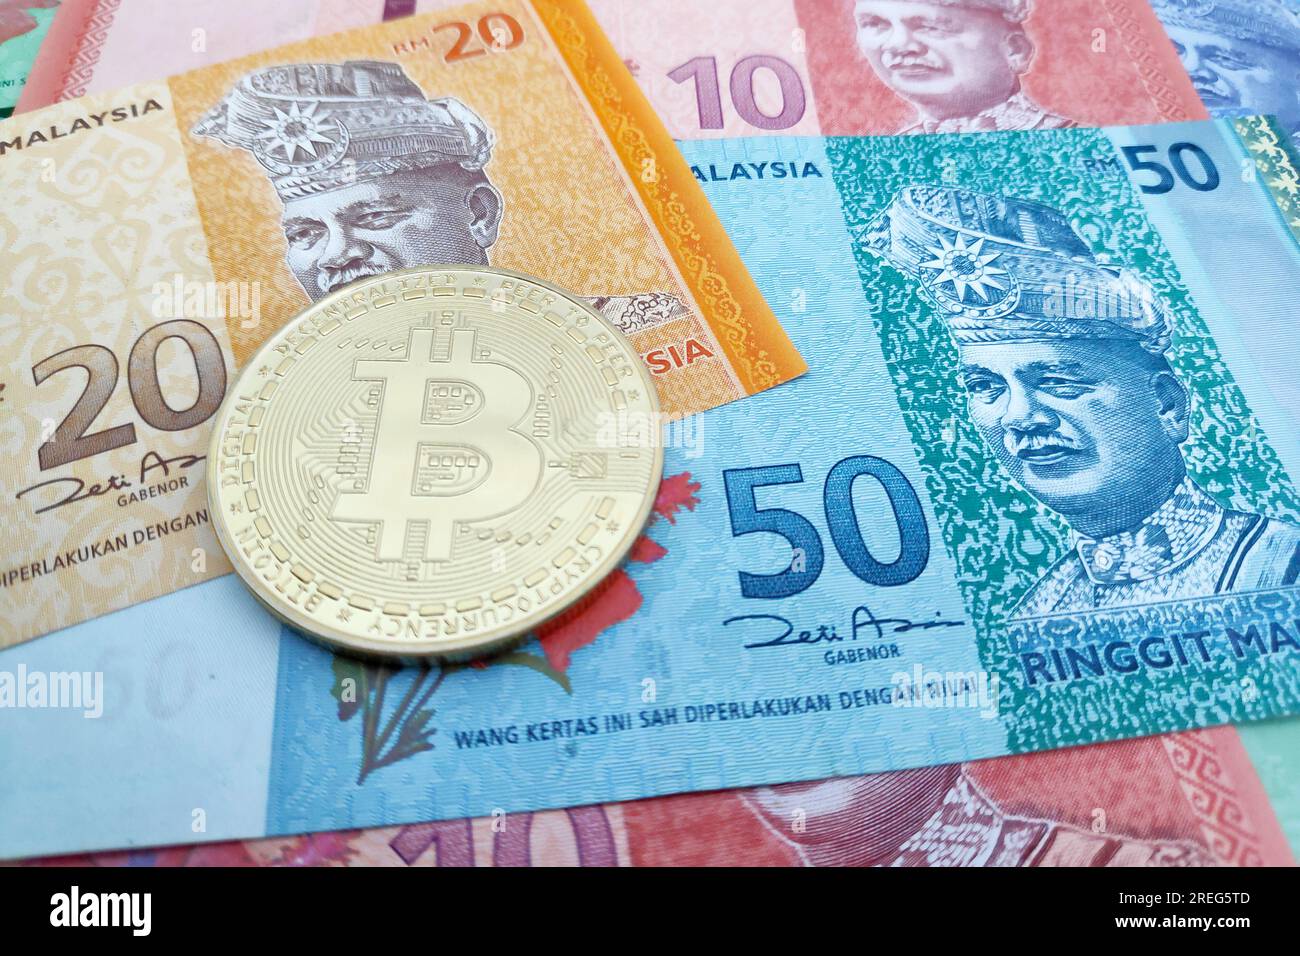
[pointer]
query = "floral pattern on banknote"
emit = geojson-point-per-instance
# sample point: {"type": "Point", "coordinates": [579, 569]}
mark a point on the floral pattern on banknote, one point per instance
{"type": "Point", "coordinates": [390, 736]}
{"type": "Point", "coordinates": [98, 218]}
{"type": "Point", "coordinates": [1275, 162]}
{"type": "Point", "coordinates": [994, 530]}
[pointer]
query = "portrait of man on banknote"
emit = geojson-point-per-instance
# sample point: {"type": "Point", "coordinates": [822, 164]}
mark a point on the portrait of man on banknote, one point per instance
{"type": "Point", "coordinates": [958, 63]}
{"type": "Point", "coordinates": [941, 816]}
{"type": "Point", "coordinates": [1065, 367]}
{"type": "Point", "coordinates": [1243, 55]}
{"type": "Point", "coordinates": [374, 176]}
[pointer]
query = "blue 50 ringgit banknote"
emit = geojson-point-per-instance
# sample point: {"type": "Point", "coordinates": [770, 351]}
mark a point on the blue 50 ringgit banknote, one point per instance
{"type": "Point", "coordinates": [1039, 489]}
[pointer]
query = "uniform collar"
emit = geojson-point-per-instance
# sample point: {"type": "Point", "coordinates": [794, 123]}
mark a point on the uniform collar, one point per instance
{"type": "Point", "coordinates": [1171, 536]}
{"type": "Point", "coordinates": [1017, 111]}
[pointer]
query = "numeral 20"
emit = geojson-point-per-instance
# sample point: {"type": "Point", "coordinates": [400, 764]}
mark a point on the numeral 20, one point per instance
{"type": "Point", "coordinates": [841, 518]}
{"type": "Point", "coordinates": [70, 441]}
{"type": "Point", "coordinates": [462, 48]}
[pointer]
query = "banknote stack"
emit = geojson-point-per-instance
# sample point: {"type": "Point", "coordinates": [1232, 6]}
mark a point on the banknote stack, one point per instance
{"type": "Point", "coordinates": [965, 330]}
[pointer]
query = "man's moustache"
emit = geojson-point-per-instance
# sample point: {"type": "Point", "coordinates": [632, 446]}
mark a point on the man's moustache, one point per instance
{"type": "Point", "coordinates": [336, 280]}
{"type": "Point", "coordinates": [1016, 445]}
{"type": "Point", "coordinates": [894, 62]}
{"type": "Point", "coordinates": [1216, 92]}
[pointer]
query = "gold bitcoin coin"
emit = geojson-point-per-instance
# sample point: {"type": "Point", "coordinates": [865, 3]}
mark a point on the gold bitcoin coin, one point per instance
{"type": "Point", "coordinates": [430, 463]}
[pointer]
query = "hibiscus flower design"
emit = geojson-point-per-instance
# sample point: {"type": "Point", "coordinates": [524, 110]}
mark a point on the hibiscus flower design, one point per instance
{"type": "Point", "coordinates": [16, 21]}
{"type": "Point", "coordinates": [361, 688]}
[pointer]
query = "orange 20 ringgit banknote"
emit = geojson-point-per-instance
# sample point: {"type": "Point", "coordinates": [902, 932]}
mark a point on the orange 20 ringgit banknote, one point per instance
{"type": "Point", "coordinates": [154, 236]}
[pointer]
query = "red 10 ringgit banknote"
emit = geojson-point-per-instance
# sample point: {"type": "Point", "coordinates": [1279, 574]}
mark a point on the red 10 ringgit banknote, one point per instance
{"type": "Point", "coordinates": [788, 67]}
{"type": "Point", "coordinates": [1189, 799]}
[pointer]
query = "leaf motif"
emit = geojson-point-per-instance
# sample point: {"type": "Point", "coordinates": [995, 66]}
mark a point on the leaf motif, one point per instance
{"type": "Point", "coordinates": [538, 664]}
{"type": "Point", "coordinates": [414, 728]}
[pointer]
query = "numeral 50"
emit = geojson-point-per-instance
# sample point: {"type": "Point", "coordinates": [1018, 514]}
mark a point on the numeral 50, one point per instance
{"type": "Point", "coordinates": [841, 519]}
{"type": "Point", "coordinates": [1207, 181]}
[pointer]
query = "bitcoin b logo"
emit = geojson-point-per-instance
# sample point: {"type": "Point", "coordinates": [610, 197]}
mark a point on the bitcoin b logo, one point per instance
{"type": "Point", "coordinates": [446, 448]}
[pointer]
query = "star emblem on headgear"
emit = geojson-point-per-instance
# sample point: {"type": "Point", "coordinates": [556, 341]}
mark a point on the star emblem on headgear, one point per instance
{"type": "Point", "coordinates": [298, 129]}
{"type": "Point", "coordinates": [965, 266]}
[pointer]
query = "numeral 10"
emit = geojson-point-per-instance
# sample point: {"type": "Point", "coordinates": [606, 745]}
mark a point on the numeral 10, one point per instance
{"type": "Point", "coordinates": [708, 95]}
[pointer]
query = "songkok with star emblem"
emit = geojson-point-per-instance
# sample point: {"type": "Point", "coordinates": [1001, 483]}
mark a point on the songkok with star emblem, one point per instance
{"type": "Point", "coordinates": [1273, 23]}
{"type": "Point", "coordinates": [1014, 11]}
{"type": "Point", "coordinates": [321, 126]}
{"type": "Point", "coordinates": [1004, 269]}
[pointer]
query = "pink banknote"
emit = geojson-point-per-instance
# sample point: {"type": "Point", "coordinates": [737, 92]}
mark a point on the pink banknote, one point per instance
{"type": "Point", "coordinates": [796, 67]}
{"type": "Point", "coordinates": [1190, 799]}
{"type": "Point", "coordinates": [97, 45]}
{"type": "Point", "coordinates": [864, 67]}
